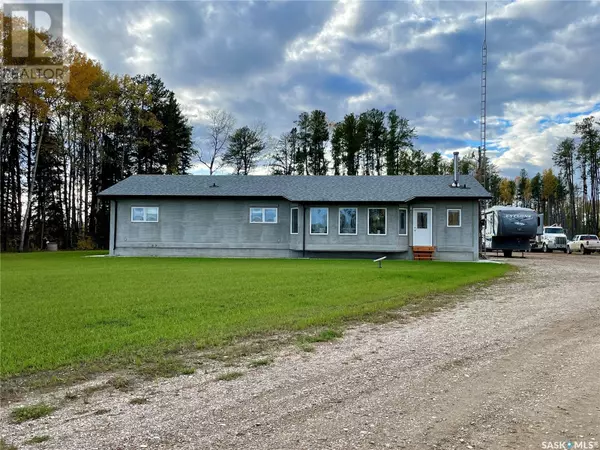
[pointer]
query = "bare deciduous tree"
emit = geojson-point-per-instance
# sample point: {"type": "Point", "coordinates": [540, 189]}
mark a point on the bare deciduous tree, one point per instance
{"type": "Point", "coordinates": [219, 131]}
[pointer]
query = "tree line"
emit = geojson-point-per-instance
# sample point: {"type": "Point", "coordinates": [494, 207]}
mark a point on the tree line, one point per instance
{"type": "Point", "coordinates": [369, 143]}
{"type": "Point", "coordinates": [62, 142]}
{"type": "Point", "coordinates": [569, 195]}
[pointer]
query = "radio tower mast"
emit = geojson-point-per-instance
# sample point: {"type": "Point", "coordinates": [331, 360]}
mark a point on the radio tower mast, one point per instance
{"type": "Point", "coordinates": [482, 132]}
{"type": "Point", "coordinates": [483, 119]}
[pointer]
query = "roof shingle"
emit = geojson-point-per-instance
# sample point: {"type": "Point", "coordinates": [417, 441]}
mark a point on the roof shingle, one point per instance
{"type": "Point", "coordinates": [400, 188]}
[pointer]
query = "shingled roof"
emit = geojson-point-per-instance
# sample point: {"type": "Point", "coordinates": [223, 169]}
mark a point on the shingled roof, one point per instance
{"type": "Point", "coordinates": [401, 188]}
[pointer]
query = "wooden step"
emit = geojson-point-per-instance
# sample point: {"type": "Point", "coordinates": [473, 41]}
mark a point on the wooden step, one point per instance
{"type": "Point", "coordinates": [423, 253]}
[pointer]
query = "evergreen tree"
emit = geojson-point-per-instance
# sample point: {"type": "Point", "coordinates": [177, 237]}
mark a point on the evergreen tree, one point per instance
{"type": "Point", "coordinates": [318, 130]}
{"type": "Point", "coordinates": [245, 147]}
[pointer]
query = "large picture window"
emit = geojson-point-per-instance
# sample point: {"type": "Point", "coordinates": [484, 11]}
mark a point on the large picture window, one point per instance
{"type": "Point", "coordinates": [377, 221]}
{"type": "Point", "coordinates": [402, 215]}
{"type": "Point", "coordinates": [144, 213]}
{"type": "Point", "coordinates": [454, 218]}
{"type": "Point", "coordinates": [263, 215]}
{"type": "Point", "coordinates": [319, 220]}
{"type": "Point", "coordinates": [348, 220]}
{"type": "Point", "coordinates": [294, 221]}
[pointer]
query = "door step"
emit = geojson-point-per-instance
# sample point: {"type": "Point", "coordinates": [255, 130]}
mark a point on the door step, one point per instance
{"type": "Point", "coordinates": [423, 253]}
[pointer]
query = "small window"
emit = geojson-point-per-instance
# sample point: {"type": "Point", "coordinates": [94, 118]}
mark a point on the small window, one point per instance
{"type": "Point", "coordinates": [422, 220]}
{"type": "Point", "coordinates": [319, 220]}
{"type": "Point", "coordinates": [263, 215]}
{"type": "Point", "coordinates": [402, 231]}
{"type": "Point", "coordinates": [454, 217]}
{"type": "Point", "coordinates": [144, 213]}
{"type": "Point", "coordinates": [294, 221]}
{"type": "Point", "coordinates": [348, 221]}
{"type": "Point", "coordinates": [377, 221]}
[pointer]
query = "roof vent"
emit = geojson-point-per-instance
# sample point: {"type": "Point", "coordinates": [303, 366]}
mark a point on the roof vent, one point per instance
{"type": "Point", "coordinates": [213, 185]}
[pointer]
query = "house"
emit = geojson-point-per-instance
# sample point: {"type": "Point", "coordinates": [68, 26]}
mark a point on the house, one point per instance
{"type": "Point", "coordinates": [294, 216]}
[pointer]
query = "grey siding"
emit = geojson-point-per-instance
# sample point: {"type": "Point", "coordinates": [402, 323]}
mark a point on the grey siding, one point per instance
{"type": "Point", "coordinates": [213, 227]}
{"type": "Point", "coordinates": [362, 241]}
{"type": "Point", "coordinates": [202, 227]}
{"type": "Point", "coordinates": [453, 244]}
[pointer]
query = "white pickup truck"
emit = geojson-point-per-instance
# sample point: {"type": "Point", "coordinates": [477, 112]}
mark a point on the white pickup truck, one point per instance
{"type": "Point", "coordinates": [552, 238]}
{"type": "Point", "coordinates": [584, 243]}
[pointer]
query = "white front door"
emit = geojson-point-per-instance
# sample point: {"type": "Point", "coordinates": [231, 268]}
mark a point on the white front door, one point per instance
{"type": "Point", "coordinates": [422, 227]}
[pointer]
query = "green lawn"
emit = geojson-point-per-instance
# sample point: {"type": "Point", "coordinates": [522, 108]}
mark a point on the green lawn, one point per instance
{"type": "Point", "coordinates": [60, 309]}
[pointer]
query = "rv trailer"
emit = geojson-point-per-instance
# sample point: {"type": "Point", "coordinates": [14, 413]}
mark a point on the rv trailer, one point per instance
{"type": "Point", "coordinates": [510, 228]}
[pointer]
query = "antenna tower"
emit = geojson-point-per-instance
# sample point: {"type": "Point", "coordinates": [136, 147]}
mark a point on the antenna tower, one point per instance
{"type": "Point", "coordinates": [483, 119]}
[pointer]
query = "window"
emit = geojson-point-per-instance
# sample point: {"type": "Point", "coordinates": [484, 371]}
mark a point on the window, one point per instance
{"type": "Point", "coordinates": [144, 213]}
{"type": "Point", "coordinates": [402, 230]}
{"type": "Point", "coordinates": [348, 220]}
{"type": "Point", "coordinates": [377, 221]}
{"type": "Point", "coordinates": [263, 215]}
{"type": "Point", "coordinates": [453, 217]}
{"type": "Point", "coordinates": [422, 220]}
{"type": "Point", "coordinates": [319, 220]}
{"type": "Point", "coordinates": [294, 221]}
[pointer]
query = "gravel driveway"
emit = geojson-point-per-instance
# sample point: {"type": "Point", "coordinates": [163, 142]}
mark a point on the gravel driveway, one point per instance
{"type": "Point", "coordinates": [515, 366]}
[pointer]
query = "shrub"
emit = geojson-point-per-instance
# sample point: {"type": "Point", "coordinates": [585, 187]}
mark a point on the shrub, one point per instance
{"type": "Point", "coordinates": [85, 243]}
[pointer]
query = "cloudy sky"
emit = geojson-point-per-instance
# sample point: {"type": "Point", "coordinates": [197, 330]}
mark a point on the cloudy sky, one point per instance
{"type": "Point", "coordinates": [268, 61]}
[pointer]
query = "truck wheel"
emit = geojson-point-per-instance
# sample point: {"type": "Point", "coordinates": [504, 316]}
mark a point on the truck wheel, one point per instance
{"type": "Point", "coordinates": [545, 248]}
{"type": "Point", "coordinates": [568, 250]}
{"type": "Point", "coordinates": [507, 253]}
{"type": "Point", "coordinates": [583, 252]}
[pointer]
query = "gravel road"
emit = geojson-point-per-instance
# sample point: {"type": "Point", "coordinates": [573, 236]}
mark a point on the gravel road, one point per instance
{"type": "Point", "coordinates": [517, 365]}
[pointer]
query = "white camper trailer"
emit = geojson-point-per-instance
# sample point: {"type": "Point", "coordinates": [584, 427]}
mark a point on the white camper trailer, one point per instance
{"type": "Point", "coordinates": [509, 228]}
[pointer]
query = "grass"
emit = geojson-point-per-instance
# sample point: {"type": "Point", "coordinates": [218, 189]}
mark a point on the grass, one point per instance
{"type": "Point", "coordinates": [120, 383]}
{"type": "Point", "coordinates": [323, 336]}
{"type": "Point", "coordinates": [6, 446]}
{"type": "Point", "coordinates": [63, 311]}
{"type": "Point", "coordinates": [260, 362]}
{"type": "Point", "coordinates": [24, 413]}
{"type": "Point", "coordinates": [38, 439]}
{"type": "Point", "coordinates": [228, 376]}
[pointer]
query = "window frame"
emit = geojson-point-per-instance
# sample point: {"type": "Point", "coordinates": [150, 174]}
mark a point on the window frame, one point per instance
{"type": "Point", "coordinates": [263, 208]}
{"type": "Point", "coordinates": [385, 224]}
{"type": "Point", "coordinates": [297, 220]}
{"type": "Point", "coordinates": [405, 221]}
{"type": "Point", "coordinates": [448, 217]}
{"type": "Point", "coordinates": [145, 219]}
{"type": "Point", "coordinates": [340, 222]}
{"type": "Point", "coordinates": [310, 221]}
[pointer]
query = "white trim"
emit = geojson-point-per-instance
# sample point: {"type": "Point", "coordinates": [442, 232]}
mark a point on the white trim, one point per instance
{"type": "Point", "coordinates": [263, 208]}
{"type": "Point", "coordinates": [448, 217]}
{"type": "Point", "coordinates": [310, 221]}
{"type": "Point", "coordinates": [430, 221]}
{"type": "Point", "coordinates": [386, 223]}
{"type": "Point", "coordinates": [340, 222]}
{"type": "Point", "coordinates": [297, 219]}
{"type": "Point", "coordinates": [405, 209]}
{"type": "Point", "coordinates": [145, 220]}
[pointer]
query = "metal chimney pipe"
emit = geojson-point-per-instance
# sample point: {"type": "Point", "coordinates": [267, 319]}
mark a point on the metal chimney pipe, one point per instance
{"type": "Point", "coordinates": [456, 182]}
